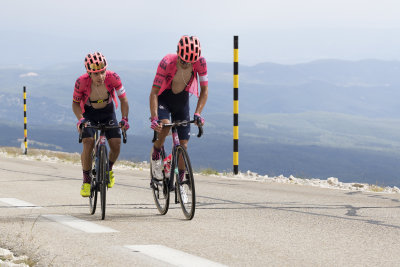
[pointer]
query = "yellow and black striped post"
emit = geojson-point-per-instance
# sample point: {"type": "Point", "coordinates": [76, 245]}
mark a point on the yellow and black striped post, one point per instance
{"type": "Point", "coordinates": [236, 104]}
{"type": "Point", "coordinates": [25, 123]}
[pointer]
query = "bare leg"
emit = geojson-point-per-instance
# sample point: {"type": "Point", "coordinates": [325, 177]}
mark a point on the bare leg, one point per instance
{"type": "Point", "coordinates": [181, 163]}
{"type": "Point", "coordinates": [162, 135]}
{"type": "Point", "coordinates": [86, 156]}
{"type": "Point", "coordinates": [115, 147]}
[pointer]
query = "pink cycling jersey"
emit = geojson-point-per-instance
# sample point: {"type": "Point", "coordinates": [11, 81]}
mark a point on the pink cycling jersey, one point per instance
{"type": "Point", "coordinates": [83, 88]}
{"type": "Point", "coordinates": [167, 69]}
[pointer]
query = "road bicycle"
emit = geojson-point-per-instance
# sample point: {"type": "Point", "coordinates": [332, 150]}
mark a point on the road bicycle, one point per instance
{"type": "Point", "coordinates": [184, 188]}
{"type": "Point", "coordinates": [100, 173]}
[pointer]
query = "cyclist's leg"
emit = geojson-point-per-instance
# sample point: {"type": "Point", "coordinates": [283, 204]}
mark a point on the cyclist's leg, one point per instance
{"type": "Point", "coordinates": [163, 115]}
{"type": "Point", "coordinates": [114, 141]}
{"type": "Point", "coordinates": [88, 140]}
{"type": "Point", "coordinates": [88, 144]}
{"type": "Point", "coordinates": [155, 155]}
{"type": "Point", "coordinates": [181, 163]}
{"type": "Point", "coordinates": [115, 148]}
{"type": "Point", "coordinates": [86, 156]}
{"type": "Point", "coordinates": [158, 144]}
{"type": "Point", "coordinates": [86, 160]}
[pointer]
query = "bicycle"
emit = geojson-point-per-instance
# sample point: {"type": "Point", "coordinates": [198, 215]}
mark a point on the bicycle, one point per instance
{"type": "Point", "coordinates": [184, 189]}
{"type": "Point", "coordinates": [100, 176]}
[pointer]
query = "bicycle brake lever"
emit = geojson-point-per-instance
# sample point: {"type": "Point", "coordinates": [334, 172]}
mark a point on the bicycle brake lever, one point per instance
{"type": "Point", "coordinates": [155, 136]}
{"type": "Point", "coordinates": [200, 131]}
{"type": "Point", "coordinates": [124, 136]}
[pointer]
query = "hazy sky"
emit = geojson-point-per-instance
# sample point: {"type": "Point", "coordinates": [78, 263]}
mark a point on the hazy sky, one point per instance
{"type": "Point", "coordinates": [280, 31]}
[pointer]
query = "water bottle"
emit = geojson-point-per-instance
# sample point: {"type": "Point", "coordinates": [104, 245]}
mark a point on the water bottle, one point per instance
{"type": "Point", "coordinates": [167, 165]}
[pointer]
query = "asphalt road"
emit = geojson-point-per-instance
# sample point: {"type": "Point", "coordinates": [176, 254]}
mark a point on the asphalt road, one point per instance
{"type": "Point", "coordinates": [237, 223]}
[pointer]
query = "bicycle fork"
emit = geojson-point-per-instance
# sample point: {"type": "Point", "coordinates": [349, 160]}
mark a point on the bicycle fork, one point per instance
{"type": "Point", "coordinates": [101, 141]}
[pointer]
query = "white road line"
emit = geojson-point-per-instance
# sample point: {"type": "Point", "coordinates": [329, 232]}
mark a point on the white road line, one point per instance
{"type": "Point", "coordinates": [19, 203]}
{"type": "Point", "coordinates": [172, 256]}
{"type": "Point", "coordinates": [79, 224]}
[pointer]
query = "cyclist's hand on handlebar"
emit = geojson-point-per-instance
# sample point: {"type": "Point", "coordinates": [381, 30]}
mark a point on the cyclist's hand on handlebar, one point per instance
{"type": "Point", "coordinates": [198, 120]}
{"type": "Point", "coordinates": [155, 125]}
{"type": "Point", "coordinates": [124, 123]}
{"type": "Point", "coordinates": [82, 121]}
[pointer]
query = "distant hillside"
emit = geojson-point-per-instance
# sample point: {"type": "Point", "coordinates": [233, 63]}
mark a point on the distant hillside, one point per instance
{"type": "Point", "coordinates": [320, 119]}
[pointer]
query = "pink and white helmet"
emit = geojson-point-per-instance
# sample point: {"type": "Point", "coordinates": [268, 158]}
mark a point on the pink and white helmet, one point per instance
{"type": "Point", "coordinates": [95, 62]}
{"type": "Point", "coordinates": [189, 49]}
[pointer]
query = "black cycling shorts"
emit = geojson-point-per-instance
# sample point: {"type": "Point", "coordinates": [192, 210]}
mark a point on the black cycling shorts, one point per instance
{"type": "Point", "coordinates": [101, 115]}
{"type": "Point", "coordinates": [178, 106]}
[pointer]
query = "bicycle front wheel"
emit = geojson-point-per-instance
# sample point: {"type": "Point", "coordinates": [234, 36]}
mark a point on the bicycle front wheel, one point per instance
{"type": "Point", "coordinates": [93, 187]}
{"type": "Point", "coordinates": [160, 189]}
{"type": "Point", "coordinates": [93, 196]}
{"type": "Point", "coordinates": [103, 179]}
{"type": "Point", "coordinates": [185, 183]}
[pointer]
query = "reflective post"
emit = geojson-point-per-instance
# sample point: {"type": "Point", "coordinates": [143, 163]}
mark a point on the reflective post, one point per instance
{"type": "Point", "coordinates": [25, 124]}
{"type": "Point", "coordinates": [236, 104]}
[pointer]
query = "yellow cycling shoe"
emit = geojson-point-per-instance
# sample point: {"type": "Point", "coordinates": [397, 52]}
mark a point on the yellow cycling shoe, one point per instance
{"type": "Point", "coordinates": [85, 190]}
{"type": "Point", "coordinates": [112, 179]}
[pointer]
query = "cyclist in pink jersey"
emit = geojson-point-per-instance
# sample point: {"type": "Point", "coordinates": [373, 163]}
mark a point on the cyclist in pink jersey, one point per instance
{"type": "Point", "coordinates": [93, 98]}
{"type": "Point", "coordinates": [177, 76]}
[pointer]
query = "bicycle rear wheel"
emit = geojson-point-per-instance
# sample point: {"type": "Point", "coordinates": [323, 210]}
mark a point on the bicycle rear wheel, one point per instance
{"type": "Point", "coordinates": [160, 189]}
{"type": "Point", "coordinates": [185, 187]}
{"type": "Point", "coordinates": [103, 179]}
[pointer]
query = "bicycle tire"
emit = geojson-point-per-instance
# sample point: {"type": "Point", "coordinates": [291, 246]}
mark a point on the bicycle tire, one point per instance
{"type": "Point", "coordinates": [93, 187]}
{"type": "Point", "coordinates": [103, 179]}
{"type": "Point", "coordinates": [93, 197]}
{"type": "Point", "coordinates": [187, 198]}
{"type": "Point", "coordinates": [160, 189]}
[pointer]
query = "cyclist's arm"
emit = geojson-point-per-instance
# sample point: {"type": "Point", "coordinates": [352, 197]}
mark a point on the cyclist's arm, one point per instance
{"type": "Point", "coordinates": [157, 84]}
{"type": "Point", "coordinates": [76, 108]}
{"type": "Point", "coordinates": [77, 98]}
{"type": "Point", "coordinates": [202, 99]}
{"type": "Point", "coordinates": [124, 106]}
{"type": "Point", "coordinates": [154, 101]}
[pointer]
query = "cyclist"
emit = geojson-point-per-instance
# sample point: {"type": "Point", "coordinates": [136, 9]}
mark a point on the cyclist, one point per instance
{"type": "Point", "coordinates": [175, 79]}
{"type": "Point", "coordinates": [93, 99]}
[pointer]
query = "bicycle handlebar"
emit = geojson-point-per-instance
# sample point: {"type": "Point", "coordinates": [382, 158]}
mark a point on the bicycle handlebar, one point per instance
{"type": "Point", "coordinates": [179, 123]}
{"type": "Point", "coordinates": [102, 126]}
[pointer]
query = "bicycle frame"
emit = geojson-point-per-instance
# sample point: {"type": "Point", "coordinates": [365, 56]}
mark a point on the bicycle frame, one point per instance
{"type": "Point", "coordinates": [175, 140]}
{"type": "Point", "coordinates": [99, 142]}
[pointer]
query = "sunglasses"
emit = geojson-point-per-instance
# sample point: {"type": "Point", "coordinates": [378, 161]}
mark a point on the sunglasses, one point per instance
{"type": "Point", "coordinates": [184, 62]}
